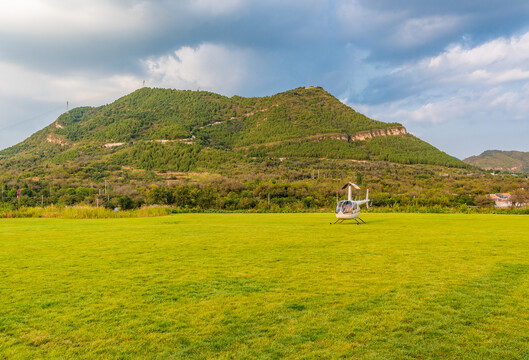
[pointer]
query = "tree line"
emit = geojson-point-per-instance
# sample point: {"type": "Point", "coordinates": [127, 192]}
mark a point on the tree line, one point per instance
{"type": "Point", "coordinates": [316, 189]}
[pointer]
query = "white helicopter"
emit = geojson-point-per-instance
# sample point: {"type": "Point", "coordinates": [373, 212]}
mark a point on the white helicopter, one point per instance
{"type": "Point", "coordinates": [349, 209]}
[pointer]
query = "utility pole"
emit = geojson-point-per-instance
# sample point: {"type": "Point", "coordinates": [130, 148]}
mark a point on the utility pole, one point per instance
{"type": "Point", "coordinates": [42, 201]}
{"type": "Point", "coordinates": [107, 193]}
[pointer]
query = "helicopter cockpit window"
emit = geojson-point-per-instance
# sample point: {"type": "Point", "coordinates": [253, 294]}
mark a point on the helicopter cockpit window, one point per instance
{"type": "Point", "coordinates": [345, 207]}
{"type": "Point", "coordinates": [339, 207]}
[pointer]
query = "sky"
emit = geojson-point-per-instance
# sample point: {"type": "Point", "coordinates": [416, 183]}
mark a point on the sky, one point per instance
{"type": "Point", "coordinates": [455, 73]}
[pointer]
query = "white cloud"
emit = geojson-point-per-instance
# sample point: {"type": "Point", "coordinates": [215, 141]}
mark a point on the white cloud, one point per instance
{"type": "Point", "coordinates": [64, 19]}
{"type": "Point", "coordinates": [216, 7]}
{"type": "Point", "coordinates": [357, 19]}
{"type": "Point", "coordinates": [79, 20]}
{"type": "Point", "coordinates": [500, 105]}
{"type": "Point", "coordinates": [419, 31]}
{"type": "Point", "coordinates": [412, 111]}
{"type": "Point", "coordinates": [209, 66]}
{"type": "Point", "coordinates": [489, 81]}
{"type": "Point", "coordinates": [83, 89]}
{"type": "Point", "coordinates": [30, 99]}
{"type": "Point", "coordinates": [466, 123]}
{"type": "Point", "coordinates": [394, 28]}
{"type": "Point", "coordinates": [502, 60]}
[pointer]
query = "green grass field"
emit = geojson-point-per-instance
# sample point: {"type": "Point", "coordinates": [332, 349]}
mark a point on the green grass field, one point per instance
{"type": "Point", "coordinates": [268, 286]}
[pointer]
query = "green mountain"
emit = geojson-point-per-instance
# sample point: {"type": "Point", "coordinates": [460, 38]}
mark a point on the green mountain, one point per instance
{"type": "Point", "coordinates": [174, 130]}
{"type": "Point", "coordinates": [513, 161]}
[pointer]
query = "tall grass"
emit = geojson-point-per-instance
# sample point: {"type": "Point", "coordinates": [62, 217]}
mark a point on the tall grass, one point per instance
{"type": "Point", "coordinates": [436, 209]}
{"type": "Point", "coordinates": [87, 212]}
{"type": "Point", "coordinates": [83, 212]}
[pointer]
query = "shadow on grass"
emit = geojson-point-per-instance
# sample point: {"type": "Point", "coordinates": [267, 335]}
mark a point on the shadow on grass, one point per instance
{"type": "Point", "coordinates": [349, 222]}
{"type": "Point", "coordinates": [457, 324]}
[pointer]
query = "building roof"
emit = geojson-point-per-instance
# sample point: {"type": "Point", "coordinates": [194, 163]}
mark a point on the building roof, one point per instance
{"type": "Point", "coordinates": [500, 196]}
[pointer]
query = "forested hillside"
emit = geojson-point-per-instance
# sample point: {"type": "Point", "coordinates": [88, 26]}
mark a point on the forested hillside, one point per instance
{"type": "Point", "coordinates": [172, 130]}
{"type": "Point", "coordinates": [512, 161]}
{"type": "Point", "coordinates": [196, 149]}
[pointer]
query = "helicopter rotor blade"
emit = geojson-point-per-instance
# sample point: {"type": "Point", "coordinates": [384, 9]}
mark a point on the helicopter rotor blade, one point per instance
{"type": "Point", "coordinates": [351, 184]}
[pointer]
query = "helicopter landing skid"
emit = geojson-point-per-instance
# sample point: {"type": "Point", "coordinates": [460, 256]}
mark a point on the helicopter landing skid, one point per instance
{"type": "Point", "coordinates": [339, 221]}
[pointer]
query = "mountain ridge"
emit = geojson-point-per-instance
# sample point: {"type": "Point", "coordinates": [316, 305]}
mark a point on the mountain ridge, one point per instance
{"type": "Point", "coordinates": [500, 160]}
{"type": "Point", "coordinates": [150, 128]}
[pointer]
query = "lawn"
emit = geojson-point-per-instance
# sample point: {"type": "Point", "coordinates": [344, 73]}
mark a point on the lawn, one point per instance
{"type": "Point", "coordinates": [268, 286]}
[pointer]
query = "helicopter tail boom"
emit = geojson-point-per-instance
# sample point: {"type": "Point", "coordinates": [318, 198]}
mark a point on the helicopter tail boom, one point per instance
{"type": "Point", "coordinates": [365, 201]}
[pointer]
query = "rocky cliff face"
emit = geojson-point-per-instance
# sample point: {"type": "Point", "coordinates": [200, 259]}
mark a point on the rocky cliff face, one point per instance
{"type": "Point", "coordinates": [54, 139]}
{"type": "Point", "coordinates": [366, 135]}
{"type": "Point", "coordinates": [360, 136]}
